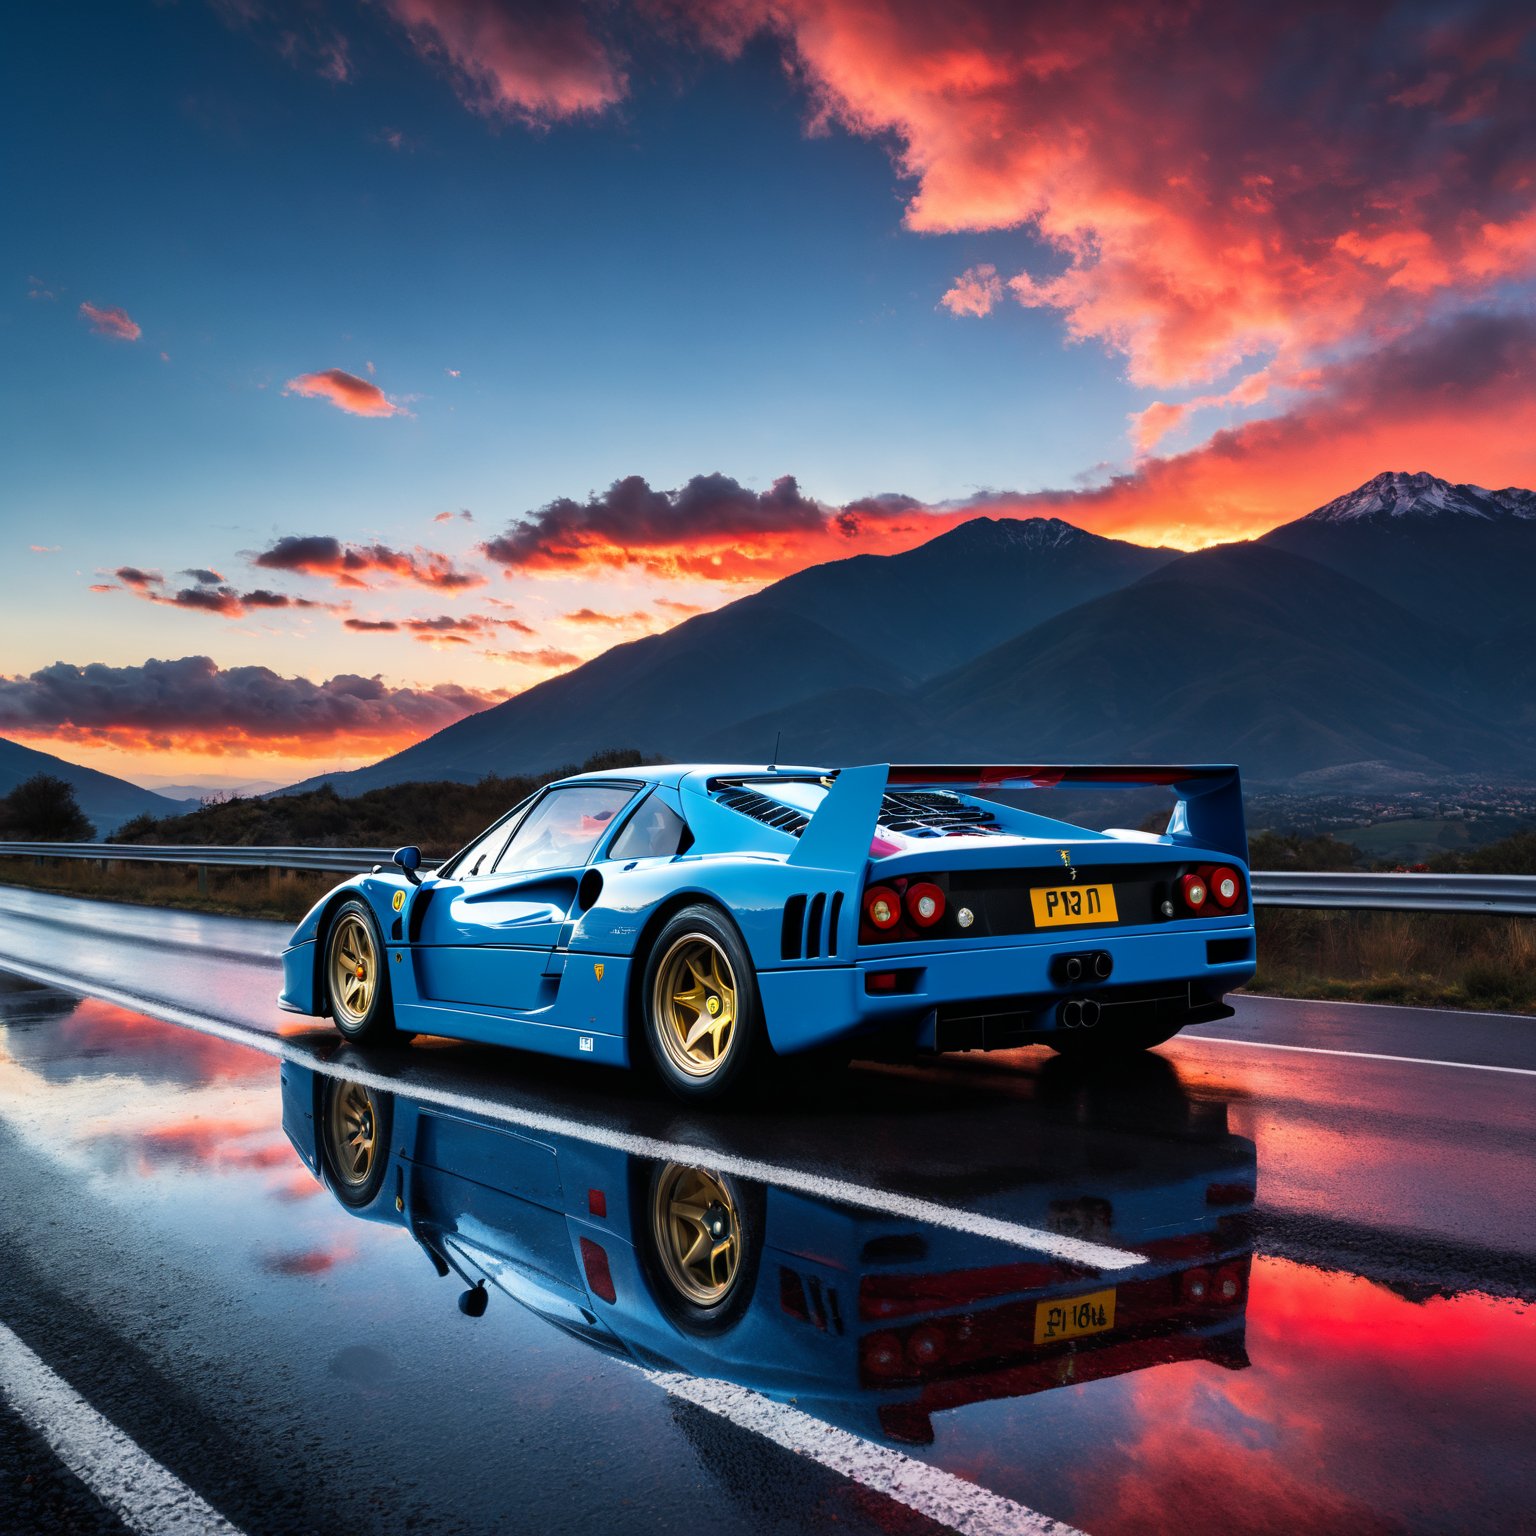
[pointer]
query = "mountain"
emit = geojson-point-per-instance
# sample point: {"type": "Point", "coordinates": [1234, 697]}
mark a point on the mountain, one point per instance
{"type": "Point", "coordinates": [1462, 553]}
{"type": "Point", "coordinates": [877, 623]}
{"type": "Point", "coordinates": [106, 800]}
{"type": "Point", "coordinates": [1240, 653]}
{"type": "Point", "coordinates": [1385, 633]}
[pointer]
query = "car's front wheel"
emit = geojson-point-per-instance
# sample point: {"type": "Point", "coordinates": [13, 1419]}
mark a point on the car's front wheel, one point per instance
{"type": "Point", "coordinates": [700, 1009]}
{"type": "Point", "coordinates": [356, 976]}
{"type": "Point", "coordinates": [354, 1139]}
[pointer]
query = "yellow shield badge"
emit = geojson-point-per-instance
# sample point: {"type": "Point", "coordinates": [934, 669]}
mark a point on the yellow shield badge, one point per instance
{"type": "Point", "coordinates": [399, 900]}
{"type": "Point", "coordinates": [597, 969]}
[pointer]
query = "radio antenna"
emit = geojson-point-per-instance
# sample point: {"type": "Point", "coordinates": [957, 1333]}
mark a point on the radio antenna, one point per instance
{"type": "Point", "coordinates": [773, 766]}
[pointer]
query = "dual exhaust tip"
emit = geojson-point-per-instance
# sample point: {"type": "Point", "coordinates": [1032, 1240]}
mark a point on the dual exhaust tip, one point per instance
{"type": "Point", "coordinates": [1089, 965]}
{"type": "Point", "coordinates": [1079, 1013]}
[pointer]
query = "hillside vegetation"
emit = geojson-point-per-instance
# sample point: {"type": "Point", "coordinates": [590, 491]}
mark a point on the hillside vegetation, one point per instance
{"type": "Point", "coordinates": [439, 817]}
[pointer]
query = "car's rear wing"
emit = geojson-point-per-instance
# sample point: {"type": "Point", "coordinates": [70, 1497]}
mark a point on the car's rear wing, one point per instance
{"type": "Point", "coordinates": [1207, 813]}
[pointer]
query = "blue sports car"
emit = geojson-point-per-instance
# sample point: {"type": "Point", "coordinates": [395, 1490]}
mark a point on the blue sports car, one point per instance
{"type": "Point", "coordinates": [709, 917]}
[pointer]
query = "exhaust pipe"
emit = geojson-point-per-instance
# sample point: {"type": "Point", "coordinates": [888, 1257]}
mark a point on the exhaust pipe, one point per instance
{"type": "Point", "coordinates": [1090, 1013]}
{"type": "Point", "coordinates": [1073, 969]}
{"type": "Point", "coordinates": [1072, 1013]}
{"type": "Point", "coordinates": [1102, 964]}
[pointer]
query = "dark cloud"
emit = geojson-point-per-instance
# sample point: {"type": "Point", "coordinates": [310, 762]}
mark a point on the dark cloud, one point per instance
{"type": "Point", "coordinates": [193, 703]}
{"type": "Point", "coordinates": [347, 565]}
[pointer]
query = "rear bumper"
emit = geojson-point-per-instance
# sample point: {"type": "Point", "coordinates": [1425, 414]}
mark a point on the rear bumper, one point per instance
{"type": "Point", "coordinates": [818, 1005]}
{"type": "Point", "coordinates": [298, 994]}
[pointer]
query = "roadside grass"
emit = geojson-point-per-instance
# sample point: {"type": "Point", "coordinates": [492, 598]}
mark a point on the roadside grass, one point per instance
{"type": "Point", "coordinates": [282, 894]}
{"type": "Point", "coordinates": [1423, 959]}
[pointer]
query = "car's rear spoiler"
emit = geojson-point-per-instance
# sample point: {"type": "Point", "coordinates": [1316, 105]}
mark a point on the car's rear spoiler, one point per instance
{"type": "Point", "coordinates": [1208, 812]}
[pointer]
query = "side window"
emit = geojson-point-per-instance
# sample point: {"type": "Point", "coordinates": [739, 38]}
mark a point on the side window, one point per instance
{"type": "Point", "coordinates": [654, 831]}
{"type": "Point", "coordinates": [561, 831]}
{"type": "Point", "coordinates": [481, 854]}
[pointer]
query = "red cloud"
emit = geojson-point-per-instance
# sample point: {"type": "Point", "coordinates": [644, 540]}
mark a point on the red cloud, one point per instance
{"type": "Point", "coordinates": [193, 705]}
{"type": "Point", "coordinates": [639, 618]}
{"type": "Point", "coordinates": [975, 291]}
{"type": "Point", "coordinates": [348, 564]}
{"type": "Point", "coordinates": [347, 392]}
{"type": "Point", "coordinates": [527, 59]}
{"type": "Point", "coordinates": [1203, 196]}
{"type": "Point", "coordinates": [548, 657]}
{"type": "Point", "coordinates": [1459, 397]}
{"type": "Point", "coordinates": [117, 323]}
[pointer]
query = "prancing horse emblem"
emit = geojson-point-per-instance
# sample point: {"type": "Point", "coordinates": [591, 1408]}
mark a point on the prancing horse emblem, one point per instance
{"type": "Point", "coordinates": [1066, 858]}
{"type": "Point", "coordinates": [597, 969]}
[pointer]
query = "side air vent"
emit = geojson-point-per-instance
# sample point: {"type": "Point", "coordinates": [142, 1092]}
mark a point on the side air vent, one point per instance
{"type": "Point", "coordinates": [809, 929]}
{"type": "Point", "coordinates": [760, 808]}
{"type": "Point", "coordinates": [792, 936]}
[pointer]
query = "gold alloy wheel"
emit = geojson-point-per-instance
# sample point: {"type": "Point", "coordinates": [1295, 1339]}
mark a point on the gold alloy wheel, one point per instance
{"type": "Point", "coordinates": [694, 1004]}
{"type": "Point", "coordinates": [353, 1126]}
{"type": "Point", "coordinates": [354, 969]}
{"type": "Point", "coordinates": [698, 1233]}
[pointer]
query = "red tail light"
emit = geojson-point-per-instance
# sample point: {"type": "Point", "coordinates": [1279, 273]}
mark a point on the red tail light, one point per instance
{"type": "Point", "coordinates": [882, 906]}
{"type": "Point", "coordinates": [1226, 887]}
{"type": "Point", "coordinates": [925, 903]}
{"type": "Point", "coordinates": [1227, 1286]}
{"type": "Point", "coordinates": [882, 1355]}
{"type": "Point", "coordinates": [1195, 1286]}
{"type": "Point", "coordinates": [599, 1275]}
{"type": "Point", "coordinates": [1194, 892]}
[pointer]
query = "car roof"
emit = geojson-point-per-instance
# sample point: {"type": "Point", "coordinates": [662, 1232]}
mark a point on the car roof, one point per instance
{"type": "Point", "coordinates": [674, 774]}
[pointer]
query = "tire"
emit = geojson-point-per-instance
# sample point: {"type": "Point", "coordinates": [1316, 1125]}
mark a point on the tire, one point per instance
{"type": "Point", "coordinates": [699, 1005]}
{"type": "Point", "coordinates": [355, 1126]}
{"type": "Point", "coordinates": [702, 1241]}
{"type": "Point", "coordinates": [1114, 1044]}
{"type": "Point", "coordinates": [357, 976]}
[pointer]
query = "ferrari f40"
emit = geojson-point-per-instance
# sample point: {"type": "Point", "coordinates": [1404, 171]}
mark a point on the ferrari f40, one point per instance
{"type": "Point", "coordinates": [709, 917]}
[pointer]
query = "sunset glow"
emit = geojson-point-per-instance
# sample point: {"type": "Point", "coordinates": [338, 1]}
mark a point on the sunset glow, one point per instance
{"type": "Point", "coordinates": [443, 356]}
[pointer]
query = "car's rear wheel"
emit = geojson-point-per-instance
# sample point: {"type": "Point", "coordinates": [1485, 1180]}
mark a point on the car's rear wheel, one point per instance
{"type": "Point", "coordinates": [354, 1139]}
{"type": "Point", "coordinates": [700, 1008]}
{"type": "Point", "coordinates": [357, 977]}
{"type": "Point", "coordinates": [703, 1240]}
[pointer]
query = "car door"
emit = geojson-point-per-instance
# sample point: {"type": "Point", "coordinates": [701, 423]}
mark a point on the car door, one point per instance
{"type": "Point", "coordinates": [485, 937]}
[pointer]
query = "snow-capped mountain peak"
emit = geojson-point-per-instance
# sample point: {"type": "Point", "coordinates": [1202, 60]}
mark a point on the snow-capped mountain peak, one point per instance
{"type": "Point", "coordinates": [1396, 494]}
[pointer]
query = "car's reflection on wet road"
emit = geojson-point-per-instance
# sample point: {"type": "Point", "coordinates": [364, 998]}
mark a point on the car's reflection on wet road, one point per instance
{"type": "Point", "coordinates": [449, 1290]}
{"type": "Point", "coordinates": [871, 1321]}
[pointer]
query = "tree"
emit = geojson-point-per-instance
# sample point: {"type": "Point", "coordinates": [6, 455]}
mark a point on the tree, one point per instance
{"type": "Point", "coordinates": [43, 809]}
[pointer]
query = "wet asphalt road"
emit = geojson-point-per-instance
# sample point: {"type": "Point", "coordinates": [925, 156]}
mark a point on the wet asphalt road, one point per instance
{"type": "Point", "coordinates": [169, 1254]}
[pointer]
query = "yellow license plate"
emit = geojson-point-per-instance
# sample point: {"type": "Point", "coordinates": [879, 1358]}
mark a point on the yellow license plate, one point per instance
{"type": "Point", "coordinates": [1057, 905]}
{"type": "Point", "coordinates": [1074, 1317]}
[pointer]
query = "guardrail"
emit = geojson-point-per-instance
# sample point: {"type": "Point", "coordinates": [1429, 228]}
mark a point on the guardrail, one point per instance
{"type": "Point", "coordinates": [340, 861]}
{"type": "Point", "coordinates": [1512, 895]}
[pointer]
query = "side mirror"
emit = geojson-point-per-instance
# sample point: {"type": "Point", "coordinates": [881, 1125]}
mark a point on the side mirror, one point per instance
{"type": "Point", "coordinates": [408, 861]}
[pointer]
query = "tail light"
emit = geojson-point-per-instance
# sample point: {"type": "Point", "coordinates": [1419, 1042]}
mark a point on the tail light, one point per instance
{"type": "Point", "coordinates": [882, 1356]}
{"type": "Point", "coordinates": [1195, 1286]}
{"type": "Point", "coordinates": [1226, 887]}
{"type": "Point", "coordinates": [1227, 1286]}
{"type": "Point", "coordinates": [1194, 892]}
{"type": "Point", "coordinates": [925, 903]}
{"type": "Point", "coordinates": [882, 906]}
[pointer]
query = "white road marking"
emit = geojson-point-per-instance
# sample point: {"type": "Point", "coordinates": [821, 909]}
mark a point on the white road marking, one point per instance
{"type": "Point", "coordinates": [1072, 1250]}
{"type": "Point", "coordinates": [1319, 1050]}
{"type": "Point", "coordinates": [940, 1496]}
{"type": "Point", "coordinates": [133, 1485]}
